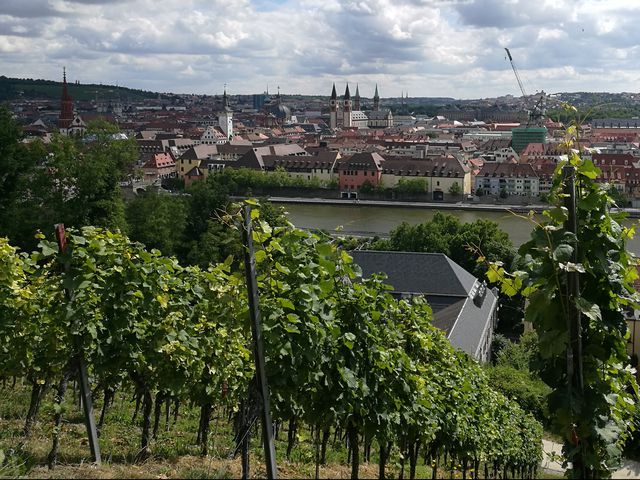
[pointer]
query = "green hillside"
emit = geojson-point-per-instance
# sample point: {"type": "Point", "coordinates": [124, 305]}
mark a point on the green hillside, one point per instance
{"type": "Point", "coordinates": [16, 88]}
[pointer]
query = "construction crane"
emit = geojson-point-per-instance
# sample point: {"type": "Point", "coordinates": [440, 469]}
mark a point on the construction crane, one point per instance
{"type": "Point", "coordinates": [538, 110]}
{"type": "Point", "coordinates": [515, 70]}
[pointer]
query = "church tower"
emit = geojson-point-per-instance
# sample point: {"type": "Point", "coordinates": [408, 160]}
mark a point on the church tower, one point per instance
{"type": "Point", "coordinates": [66, 106]}
{"type": "Point", "coordinates": [225, 117]}
{"type": "Point", "coordinates": [333, 107]}
{"type": "Point", "coordinates": [346, 116]}
{"type": "Point", "coordinates": [376, 100]}
{"type": "Point", "coordinates": [356, 102]}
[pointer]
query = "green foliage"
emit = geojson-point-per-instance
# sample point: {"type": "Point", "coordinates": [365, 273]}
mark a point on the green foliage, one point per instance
{"type": "Point", "coordinates": [245, 181]}
{"type": "Point", "coordinates": [462, 242]}
{"type": "Point", "coordinates": [17, 165]}
{"type": "Point", "coordinates": [341, 352]}
{"type": "Point", "coordinates": [522, 386]}
{"type": "Point", "coordinates": [69, 181]}
{"type": "Point", "coordinates": [515, 374]}
{"type": "Point", "coordinates": [522, 355]}
{"type": "Point", "coordinates": [455, 189]}
{"type": "Point", "coordinates": [344, 351]}
{"type": "Point", "coordinates": [15, 88]}
{"type": "Point", "coordinates": [620, 198]}
{"type": "Point", "coordinates": [595, 420]}
{"type": "Point", "coordinates": [411, 185]}
{"type": "Point", "coordinates": [158, 221]}
{"type": "Point", "coordinates": [498, 342]}
{"type": "Point", "coordinates": [366, 187]}
{"type": "Point", "coordinates": [470, 245]}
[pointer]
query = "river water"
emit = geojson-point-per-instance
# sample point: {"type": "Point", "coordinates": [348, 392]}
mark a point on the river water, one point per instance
{"type": "Point", "coordinates": [374, 220]}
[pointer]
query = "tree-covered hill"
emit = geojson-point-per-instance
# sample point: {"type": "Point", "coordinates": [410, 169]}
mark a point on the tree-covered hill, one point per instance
{"type": "Point", "coordinates": [28, 88]}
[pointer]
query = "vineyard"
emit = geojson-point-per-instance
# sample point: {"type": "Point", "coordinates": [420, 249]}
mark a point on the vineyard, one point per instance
{"type": "Point", "coordinates": [351, 370]}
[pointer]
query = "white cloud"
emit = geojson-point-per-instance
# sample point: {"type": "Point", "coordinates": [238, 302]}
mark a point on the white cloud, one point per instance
{"type": "Point", "coordinates": [428, 47]}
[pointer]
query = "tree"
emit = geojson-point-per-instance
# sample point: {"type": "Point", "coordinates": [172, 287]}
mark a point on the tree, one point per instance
{"type": "Point", "coordinates": [366, 187]}
{"type": "Point", "coordinates": [158, 221]}
{"type": "Point", "coordinates": [73, 182]}
{"type": "Point", "coordinates": [17, 164]}
{"type": "Point", "coordinates": [521, 385]}
{"type": "Point", "coordinates": [620, 198]}
{"type": "Point", "coordinates": [464, 243]}
{"type": "Point", "coordinates": [503, 193]}
{"type": "Point", "coordinates": [411, 185]}
{"type": "Point", "coordinates": [455, 189]}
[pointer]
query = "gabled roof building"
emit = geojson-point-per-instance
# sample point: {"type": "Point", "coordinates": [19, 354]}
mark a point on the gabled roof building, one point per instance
{"type": "Point", "coordinates": [463, 307]}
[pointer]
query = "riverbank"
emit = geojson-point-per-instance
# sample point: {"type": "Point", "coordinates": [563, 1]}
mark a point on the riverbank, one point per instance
{"type": "Point", "coordinates": [480, 207]}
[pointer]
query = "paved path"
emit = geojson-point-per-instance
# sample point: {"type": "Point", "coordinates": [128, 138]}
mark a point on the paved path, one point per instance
{"type": "Point", "coordinates": [630, 469]}
{"type": "Point", "coordinates": [427, 205]}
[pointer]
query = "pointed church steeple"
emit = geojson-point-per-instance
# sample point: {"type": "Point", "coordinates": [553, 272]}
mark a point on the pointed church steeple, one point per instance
{"type": "Point", "coordinates": [333, 109]}
{"type": "Point", "coordinates": [346, 115]}
{"type": "Point", "coordinates": [225, 117]}
{"type": "Point", "coordinates": [66, 104]}
{"type": "Point", "coordinates": [225, 98]}
{"type": "Point", "coordinates": [356, 103]}
{"type": "Point", "coordinates": [65, 92]}
{"type": "Point", "coordinates": [376, 100]}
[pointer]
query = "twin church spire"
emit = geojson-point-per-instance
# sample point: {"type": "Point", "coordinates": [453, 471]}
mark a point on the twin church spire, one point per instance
{"type": "Point", "coordinates": [348, 106]}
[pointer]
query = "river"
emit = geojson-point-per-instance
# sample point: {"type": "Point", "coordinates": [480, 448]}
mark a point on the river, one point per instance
{"type": "Point", "coordinates": [374, 220]}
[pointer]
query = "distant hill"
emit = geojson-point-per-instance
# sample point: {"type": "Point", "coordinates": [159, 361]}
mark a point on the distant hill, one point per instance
{"type": "Point", "coordinates": [16, 88]}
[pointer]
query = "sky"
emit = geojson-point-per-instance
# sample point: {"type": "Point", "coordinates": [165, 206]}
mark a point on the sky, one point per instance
{"type": "Point", "coordinates": [426, 48]}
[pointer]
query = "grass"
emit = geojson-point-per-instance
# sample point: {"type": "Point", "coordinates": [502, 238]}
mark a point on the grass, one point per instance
{"type": "Point", "coordinates": [174, 453]}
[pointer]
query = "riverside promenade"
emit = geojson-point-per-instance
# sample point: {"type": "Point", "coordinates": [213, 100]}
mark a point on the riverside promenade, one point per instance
{"type": "Point", "coordinates": [471, 206]}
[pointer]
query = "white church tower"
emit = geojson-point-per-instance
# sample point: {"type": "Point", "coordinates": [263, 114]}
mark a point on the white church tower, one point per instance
{"type": "Point", "coordinates": [225, 117]}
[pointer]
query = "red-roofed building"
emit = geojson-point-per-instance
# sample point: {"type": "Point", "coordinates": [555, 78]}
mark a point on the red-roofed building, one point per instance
{"type": "Point", "coordinates": [159, 166]}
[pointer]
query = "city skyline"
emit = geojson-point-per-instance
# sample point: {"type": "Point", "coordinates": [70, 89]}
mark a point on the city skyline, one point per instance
{"type": "Point", "coordinates": [426, 48]}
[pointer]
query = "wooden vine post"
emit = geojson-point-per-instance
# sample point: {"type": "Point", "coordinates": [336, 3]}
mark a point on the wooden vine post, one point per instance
{"type": "Point", "coordinates": [575, 382]}
{"type": "Point", "coordinates": [85, 390]}
{"type": "Point", "coordinates": [258, 348]}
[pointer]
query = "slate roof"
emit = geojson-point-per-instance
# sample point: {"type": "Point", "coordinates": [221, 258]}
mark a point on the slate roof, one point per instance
{"type": "Point", "coordinates": [615, 123]}
{"type": "Point", "coordinates": [295, 163]}
{"type": "Point", "coordinates": [379, 114]}
{"type": "Point", "coordinates": [462, 306]}
{"type": "Point", "coordinates": [406, 272]}
{"type": "Point", "coordinates": [506, 170]}
{"type": "Point", "coordinates": [199, 152]}
{"type": "Point", "coordinates": [494, 144]}
{"type": "Point", "coordinates": [194, 172]}
{"type": "Point", "coordinates": [361, 161]}
{"type": "Point", "coordinates": [444, 166]}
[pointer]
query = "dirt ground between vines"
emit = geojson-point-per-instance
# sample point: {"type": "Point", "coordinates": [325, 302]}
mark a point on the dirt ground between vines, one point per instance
{"type": "Point", "coordinates": [195, 467]}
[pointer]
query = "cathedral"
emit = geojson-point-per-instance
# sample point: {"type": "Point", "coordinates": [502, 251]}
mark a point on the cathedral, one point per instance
{"type": "Point", "coordinates": [346, 113]}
